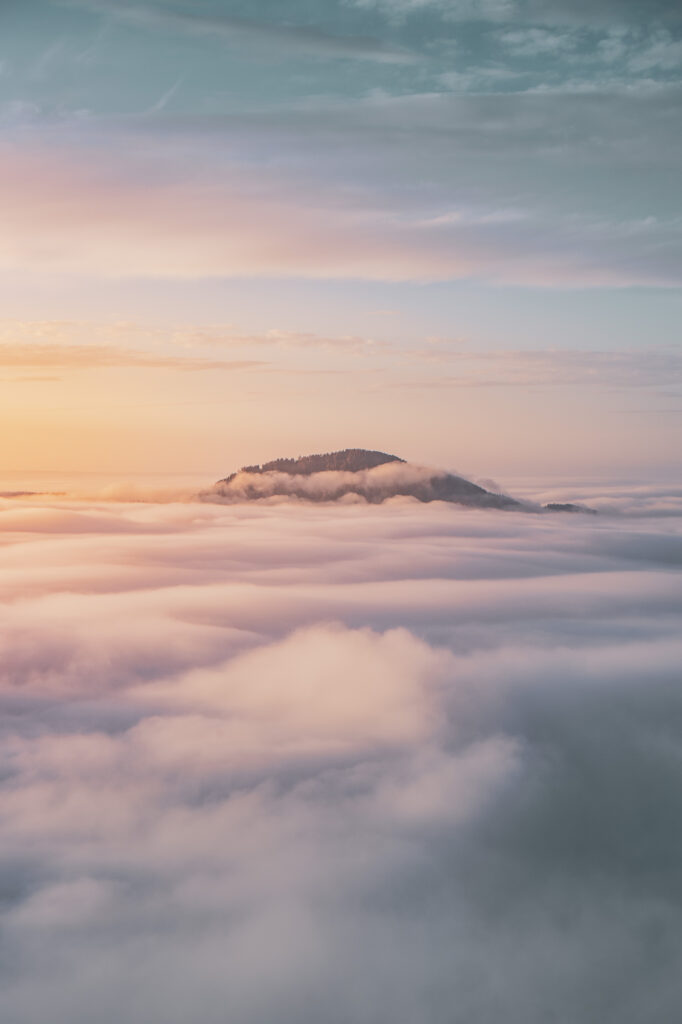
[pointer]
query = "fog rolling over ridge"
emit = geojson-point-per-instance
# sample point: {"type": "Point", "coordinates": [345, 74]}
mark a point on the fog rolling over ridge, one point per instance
{"type": "Point", "coordinates": [360, 474]}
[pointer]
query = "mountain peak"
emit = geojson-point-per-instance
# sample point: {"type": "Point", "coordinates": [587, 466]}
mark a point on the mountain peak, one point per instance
{"type": "Point", "coordinates": [360, 473]}
{"type": "Point", "coordinates": [348, 460]}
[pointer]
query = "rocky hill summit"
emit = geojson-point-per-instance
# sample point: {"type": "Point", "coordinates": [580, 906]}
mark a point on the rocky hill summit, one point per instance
{"type": "Point", "coordinates": [356, 474]}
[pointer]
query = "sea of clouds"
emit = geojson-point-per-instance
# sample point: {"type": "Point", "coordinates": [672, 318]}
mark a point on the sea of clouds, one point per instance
{"type": "Point", "coordinates": [299, 763]}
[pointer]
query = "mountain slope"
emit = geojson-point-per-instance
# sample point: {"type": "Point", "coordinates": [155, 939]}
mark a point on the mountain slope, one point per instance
{"type": "Point", "coordinates": [374, 476]}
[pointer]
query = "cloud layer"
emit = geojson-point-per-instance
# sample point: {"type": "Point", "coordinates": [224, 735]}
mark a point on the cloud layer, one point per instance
{"type": "Point", "coordinates": [326, 191]}
{"type": "Point", "coordinates": [358, 764]}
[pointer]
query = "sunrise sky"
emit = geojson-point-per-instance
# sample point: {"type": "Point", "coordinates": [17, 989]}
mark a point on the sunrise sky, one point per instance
{"type": "Point", "coordinates": [350, 739]}
{"type": "Point", "coordinates": [237, 230]}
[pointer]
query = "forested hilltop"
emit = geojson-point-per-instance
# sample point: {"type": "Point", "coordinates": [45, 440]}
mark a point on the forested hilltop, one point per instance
{"type": "Point", "coordinates": [350, 460]}
{"type": "Point", "coordinates": [369, 475]}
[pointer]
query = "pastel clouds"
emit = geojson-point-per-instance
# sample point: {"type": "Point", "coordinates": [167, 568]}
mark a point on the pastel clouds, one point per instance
{"type": "Point", "coordinates": [252, 751]}
{"type": "Point", "coordinates": [120, 212]}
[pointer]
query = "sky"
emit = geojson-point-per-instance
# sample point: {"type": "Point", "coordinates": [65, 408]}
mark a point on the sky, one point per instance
{"type": "Point", "coordinates": [233, 231]}
{"type": "Point", "coordinates": [271, 760]}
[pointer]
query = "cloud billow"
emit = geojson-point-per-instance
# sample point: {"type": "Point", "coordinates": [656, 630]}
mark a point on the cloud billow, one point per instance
{"type": "Point", "coordinates": [366, 763]}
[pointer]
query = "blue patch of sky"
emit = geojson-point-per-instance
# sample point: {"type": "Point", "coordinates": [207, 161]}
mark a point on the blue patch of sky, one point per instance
{"type": "Point", "coordinates": [125, 57]}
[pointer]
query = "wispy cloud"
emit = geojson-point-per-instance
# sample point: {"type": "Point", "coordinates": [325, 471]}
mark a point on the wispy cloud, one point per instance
{"type": "Point", "coordinates": [30, 379]}
{"type": "Point", "coordinates": [301, 38]}
{"type": "Point", "coordinates": [533, 42]}
{"type": "Point", "coordinates": [537, 12]}
{"type": "Point", "coordinates": [101, 339]}
{"type": "Point", "coordinates": [551, 367]}
{"type": "Point", "coordinates": [126, 214]}
{"type": "Point", "coordinates": [191, 347]}
{"type": "Point", "coordinates": [92, 357]}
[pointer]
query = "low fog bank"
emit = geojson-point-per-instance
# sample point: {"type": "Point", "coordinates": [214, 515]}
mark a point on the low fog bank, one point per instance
{"type": "Point", "coordinates": [374, 485]}
{"type": "Point", "coordinates": [397, 481]}
{"type": "Point", "coordinates": [390, 484]}
{"type": "Point", "coordinates": [663, 498]}
{"type": "Point", "coordinates": [360, 765]}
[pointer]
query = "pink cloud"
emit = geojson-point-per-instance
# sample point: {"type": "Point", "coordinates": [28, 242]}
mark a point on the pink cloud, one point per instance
{"type": "Point", "coordinates": [214, 795]}
{"type": "Point", "coordinates": [123, 213]}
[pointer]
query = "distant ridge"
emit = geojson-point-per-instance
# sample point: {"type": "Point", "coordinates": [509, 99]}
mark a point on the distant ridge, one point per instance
{"type": "Point", "coordinates": [568, 506]}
